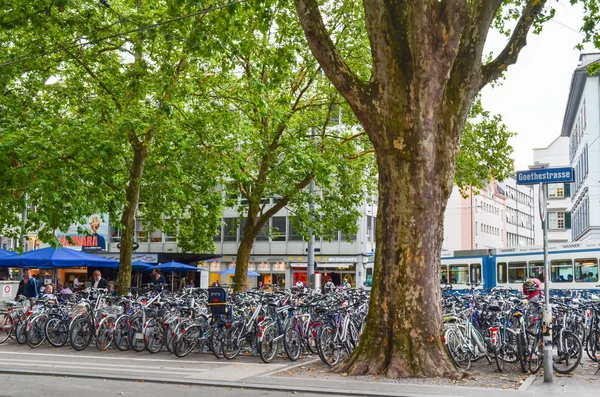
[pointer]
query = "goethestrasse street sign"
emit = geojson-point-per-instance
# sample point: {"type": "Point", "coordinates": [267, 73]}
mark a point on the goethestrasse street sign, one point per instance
{"type": "Point", "coordinates": [545, 175]}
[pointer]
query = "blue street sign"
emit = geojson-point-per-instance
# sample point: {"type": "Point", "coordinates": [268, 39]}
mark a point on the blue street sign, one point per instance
{"type": "Point", "coordinates": [545, 175]}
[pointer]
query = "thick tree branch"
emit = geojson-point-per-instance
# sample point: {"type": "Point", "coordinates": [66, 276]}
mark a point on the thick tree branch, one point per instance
{"type": "Point", "coordinates": [327, 54]}
{"type": "Point", "coordinates": [518, 40]}
{"type": "Point", "coordinates": [360, 154]}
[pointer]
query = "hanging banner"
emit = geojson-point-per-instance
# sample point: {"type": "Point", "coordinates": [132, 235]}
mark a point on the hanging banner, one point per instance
{"type": "Point", "coordinates": [91, 236]}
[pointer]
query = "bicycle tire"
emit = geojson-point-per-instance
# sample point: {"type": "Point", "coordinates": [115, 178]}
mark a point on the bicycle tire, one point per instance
{"type": "Point", "coordinates": [6, 326]}
{"type": "Point", "coordinates": [216, 339]}
{"type": "Point", "coordinates": [592, 345]}
{"type": "Point", "coordinates": [154, 336]}
{"type": "Point", "coordinates": [105, 334]}
{"type": "Point", "coordinates": [35, 334]}
{"type": "Point", "coordinates": [136, 336]}
{"type": "Point", "coordinates": [233, 342]}
{"type": "Point", "coordinates": [82, 332]}
{"type": "Point", "coordinates": [268, 345]}
{"type": "Point", "coordinates": [499, 353]}
{"type": "Point", "coordinates": [329, 351]}
{"type": "Point", "coordinates": [536, 355]}
{"type": "Point", "coordinates": [459, 356]}
{"type": "Point", "coordinates": [122, 333]}
{"type": "Point", "coordinates": [20, 331]}
{"type": "Point", "coordinates": [522, 352]}
{"type": "Point", "coordinates": [292, 339]}
{"type": "Point", "coordinates": [187, 340]}
{"type": "Point", "coordinates": [569, 351]}
{"type": "Point", "coordinates": [57, 331]}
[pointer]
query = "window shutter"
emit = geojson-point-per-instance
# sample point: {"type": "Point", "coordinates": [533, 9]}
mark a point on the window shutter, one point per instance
{"type": "Point", "coordinates": [567, 220]}
{"type": "Point", "coordinates": [567, 190]}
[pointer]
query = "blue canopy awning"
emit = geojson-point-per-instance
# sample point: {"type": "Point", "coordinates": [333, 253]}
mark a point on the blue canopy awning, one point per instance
{"type": "Point", "coordinates": [58, 258]}
{"type": "Point", "coordinates": [177, 267]}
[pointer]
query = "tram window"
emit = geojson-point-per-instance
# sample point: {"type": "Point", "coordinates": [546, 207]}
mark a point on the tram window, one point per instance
{"type": "Point", "coordinates": [516, 272]}
{"type": "Point", "coordinates": [459, 274]}
{"type": "Point", "coordinates": [475, 269]}
{"type": "Point", "coordinates": [444, 274]}
{"type": "Point", "coordinates": [586, 270]}
{"type": "Point", "coordinates": [562, 271]}
{"type": "Point", "coordinates": [369, 277]}
{"type": "Point", "coordinates": [536, 270]}
{"type": "Point", "coordinates": [501, 273]}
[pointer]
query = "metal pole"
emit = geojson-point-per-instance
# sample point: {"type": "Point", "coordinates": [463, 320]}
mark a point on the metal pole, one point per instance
{"type": "Point", "coordinates": [547, 315]}
{"type": "Point", "coordinates": [310, 266]}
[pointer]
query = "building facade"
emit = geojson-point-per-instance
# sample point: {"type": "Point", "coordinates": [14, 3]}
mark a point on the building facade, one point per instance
{"type": "Point", "coordinates": [581, 124]}
{"type": "Point", "coordinates": [500, 215]}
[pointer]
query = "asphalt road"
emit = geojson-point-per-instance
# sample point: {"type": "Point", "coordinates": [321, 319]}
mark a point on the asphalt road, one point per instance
{"type": "Point", "coordinates": [30, 385]}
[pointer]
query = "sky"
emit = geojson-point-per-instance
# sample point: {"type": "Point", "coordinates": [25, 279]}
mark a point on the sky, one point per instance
{"type": "Point", "coordinates": [533, 97]}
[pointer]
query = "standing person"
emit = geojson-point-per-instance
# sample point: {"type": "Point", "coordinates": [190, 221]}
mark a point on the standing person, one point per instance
{"type": "Point", "coordinates": [299, 284]}
{"type": "Point", "coordinates": [216, 283]}
{"type": "Point", "coordinates": [346, 284]}
{"type": "Point", "coordinates": [329, 286]}
{"type": "Point", "coordinates": [99, 282]}
{"type": "Point", "coordinates": [157, 278]}
{"type": "Point", "coordinates": [76, 283]}
{"type": "Point", "coordinates": [28, 286]}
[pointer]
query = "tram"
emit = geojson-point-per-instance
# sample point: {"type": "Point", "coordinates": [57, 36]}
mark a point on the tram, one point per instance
{"type": "Point", "coordinates": [572, 266]}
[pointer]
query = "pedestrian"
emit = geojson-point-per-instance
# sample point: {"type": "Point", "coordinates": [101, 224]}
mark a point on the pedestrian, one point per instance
{"type": "Point", "coordinates": [216, 283]}
{"type": "Point", "coordinates": [329, 286]}
{"type": "Point", "coordinates": [76, 283]}
{"type": "Point", "coordinates": [156, 278]}
{"type": "Point", "coordinates": [66, 290]}
{"type": "Point", "coordinates": [49, 293]}
{"type": "Point", "coordinates": [99, 282]}
{"type": "Point", "coordinates": [299, 284]}
{"type": "Point", "coordinates": [28, 286]}
{"type": "Point", "coordinates": [346, 284]}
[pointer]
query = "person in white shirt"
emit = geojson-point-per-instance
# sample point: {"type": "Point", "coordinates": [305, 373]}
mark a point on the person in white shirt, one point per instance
{"type": "Point", "coordinates": [299, 284]}
{"type": "Point", "coordinates": [76, 283]}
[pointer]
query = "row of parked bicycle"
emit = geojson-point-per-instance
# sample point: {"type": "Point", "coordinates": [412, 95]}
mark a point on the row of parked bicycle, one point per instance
{"type": "Point", "coordinates": [504, 327]}
{"type": "Point", "coordinates": [258, 322]}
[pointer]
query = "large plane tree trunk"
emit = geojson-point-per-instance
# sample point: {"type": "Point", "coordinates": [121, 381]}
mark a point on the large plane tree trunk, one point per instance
{"type": "Point", "coordinates": [426, 70]}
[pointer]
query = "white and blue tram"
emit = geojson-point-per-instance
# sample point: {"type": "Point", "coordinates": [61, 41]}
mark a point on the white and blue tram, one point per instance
{"type": "Point", "coordinates": [572, 266]}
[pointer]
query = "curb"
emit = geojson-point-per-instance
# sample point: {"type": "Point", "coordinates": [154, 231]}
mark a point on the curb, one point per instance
{"type": "Point", "coordinates": [220, 384]}
{"type": "Point", "coordinates": [528, 382]}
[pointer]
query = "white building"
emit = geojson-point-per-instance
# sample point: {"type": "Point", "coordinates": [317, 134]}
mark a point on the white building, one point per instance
{"type": "Point", "coordinates": [501, 215]}
{"type": "Point", "coordinates": [581, 124]}
{"type": "Point", "coordinates": [558, 194]}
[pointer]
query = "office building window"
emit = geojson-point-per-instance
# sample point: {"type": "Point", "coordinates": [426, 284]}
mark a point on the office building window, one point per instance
{"type": "Point", "coordinates": [278, 229]}
{"type": "Point", "coordinates": [229, 229]}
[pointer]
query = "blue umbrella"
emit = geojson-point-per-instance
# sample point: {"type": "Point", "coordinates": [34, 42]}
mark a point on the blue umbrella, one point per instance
{"type": "Point", "coordinates": [139, 265]}
{"type": "Point", "coordinates": [64, 257]}
{"type": "Point", "coordinates": [232, 271]}
{"type": "Point", "coordinates": [9, 259]}
{"type": "Point", "coordinates": [177, 267]}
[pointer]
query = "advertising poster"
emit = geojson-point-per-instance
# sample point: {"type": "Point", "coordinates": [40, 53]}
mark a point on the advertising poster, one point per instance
{"type": "Point", "coordinates": [92, 236]}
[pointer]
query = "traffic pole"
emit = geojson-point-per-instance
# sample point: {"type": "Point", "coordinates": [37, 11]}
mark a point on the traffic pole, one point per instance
{"type": "Point", "coordinates": [547, 314]}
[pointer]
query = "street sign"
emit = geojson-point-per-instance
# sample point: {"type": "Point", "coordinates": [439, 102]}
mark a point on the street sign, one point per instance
{"type": "Point", "coordinates": [545, 175]}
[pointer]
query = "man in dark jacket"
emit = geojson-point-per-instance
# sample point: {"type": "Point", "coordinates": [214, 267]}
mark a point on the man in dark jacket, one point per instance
{"type": "Point", "coordinates": [99, 282]}
{"type": "Point", "coordinates": [28, 286]}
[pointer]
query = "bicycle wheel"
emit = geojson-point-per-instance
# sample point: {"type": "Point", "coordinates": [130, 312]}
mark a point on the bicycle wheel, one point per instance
{"type": "Point", "coordinates": [329, 349]}
{"type": "Point", "coordinates": [292, 339]}
{"type": "Point", "coordinates": [269, 344]}
{"type": "Point", "coordinates": [35, 331]}
{"type": "Point", "coordinates": [122, 332]}
{"type": "Point", "coordinates": [522, 351]}
{"type": "Point", "coordinates": [509, 347]}
{"type": "Point", "coordinates": [187, 340]}
{"type": "Point", "coordinates": [311, 336]}
{"type": "Point", "coordinates": [57, 331]}
{"type": "Point", "coordinates": [499, 349]}
{"type": "Point", "coordinates": [6, 326]}
{"type": "Point", "coordinates": [105, 333]}
{"type": "Point", "coordinates": [216, 339]}
{"type": "Point", "coordinates": [536, 355]}
{"type": "Point", "coordinates": [566, 353]}
{"type": "Point", "coordinates": [21, 330]}
{"type": "Point", "coordinates": [136, 335]}
{"type": "Point", "coordinates": [592, 345]}
{"type": "Point", "coordinates": [155, 336]}
{"type": "Point", "coordinates": [233, 341]}
{"type": "Point", "coordinates": [458, 354]}
{"type": "Point", "coordinates": [82, 332]}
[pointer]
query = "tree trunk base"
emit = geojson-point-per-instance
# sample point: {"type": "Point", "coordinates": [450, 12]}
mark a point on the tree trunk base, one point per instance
{"type": "Point", "coordinates": [397, 367]}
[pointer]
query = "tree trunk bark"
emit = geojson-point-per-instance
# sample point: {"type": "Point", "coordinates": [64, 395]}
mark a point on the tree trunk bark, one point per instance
{"type": "Point", "coordinates": [140, 152]}
{"type": "Point", "coordinates": [242, 261]}
{"type": "Point", "coordinates": [403, 335]}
